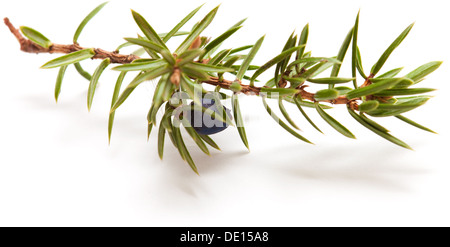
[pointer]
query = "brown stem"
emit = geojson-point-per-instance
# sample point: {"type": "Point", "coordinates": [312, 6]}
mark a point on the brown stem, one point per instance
{"type": "Point", "coordinates": [29, 46]}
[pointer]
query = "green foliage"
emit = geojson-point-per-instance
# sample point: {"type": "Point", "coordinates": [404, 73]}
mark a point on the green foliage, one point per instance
{"type": "Point", "coordinates": [94, 81]}
{"type": "Point", "coordinates": [302, 41]}
{"type": "Point", "coordinates": [36, 36]}
{"type": "Point", "coordinates": [391, 73]}
{"type": "Point", "coordinates": [376, 68]}
{"type": "Point", "coordinates": [281, 123]}
{"type": "Point", "coordinates": [238, 119]}
{"type": "Point", "coordinates": [82, 72]}
{"type": "Point", "coordinates": [59, 79]}
{"type": "Point", "coordinates": [326, 94]}
{"type": "Point", "coordinates": [180, 24]}
{"type": "Point", "coordinates": [359, 64]}
{"type": "Point", "coordinates": [275, 60]}
{"type": "Point", "coordinates": [368, 106]}
{"type": "Point", "coordinates": [70, 58]}
{"type": "Point", "coordinates": [341, 54]}
{"type": "Point", "coordinates": [401, 105]}
{"type": "Point", "coordinates": [216, 42]}
{"type": "Point", "coordinates": [354, 50]}
{"type": "Point", "coordinates": [113, 102]}
{"type": "Point", "coordinates": [248, 60]}
{"type": "Point", "coordinates": [334, 123]}
{"type": "Point", "coordinates": [198, 29]}
{"type": "Point", "coordinates": [144, 76]}
{"type": "Point", "coordinates": [86, 20]}
{"type": "Point", "coordinates": [376, 129]}
{"type": "Point", "coordinates": [195, 136]}
{"type": "Point", "coordinates": [380, 85]}
{"type": "Point", "coordinates": [329, 80]}
{"type": "Point", "coordinates": [298, 102]}
{"type": "Point", "coordinates": [148, 31]}
{"type": "Point", "coordinates": [424, 70]}
{"type": "Point", "coordinates": [197, 60]}
{"type": "Point", "coordinates": [411, 122]}
{"type": "Point", "coordinates": [77, 34]}
{"type": "Point", "coordinates": [141, 65]}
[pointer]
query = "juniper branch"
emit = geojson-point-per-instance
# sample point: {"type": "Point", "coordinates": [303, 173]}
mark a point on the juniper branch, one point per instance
{"type": "Point", "coordinates": [196, 62]}
{"type": "Point", "coordinates": [29, 46]}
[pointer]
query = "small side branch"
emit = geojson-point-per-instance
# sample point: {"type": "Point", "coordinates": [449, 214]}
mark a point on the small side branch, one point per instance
{"type": "Point", "coordinates": [27, 45]}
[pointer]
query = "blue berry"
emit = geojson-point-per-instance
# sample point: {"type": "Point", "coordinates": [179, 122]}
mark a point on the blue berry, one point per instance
{"type": "Point", "coordinates": [203, 123]}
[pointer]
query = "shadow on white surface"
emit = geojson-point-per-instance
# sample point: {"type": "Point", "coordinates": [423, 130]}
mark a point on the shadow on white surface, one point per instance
{"type": "Point", "coordinates": [384, 166]}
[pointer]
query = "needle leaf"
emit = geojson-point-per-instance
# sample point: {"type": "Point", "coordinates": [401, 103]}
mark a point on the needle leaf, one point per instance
{"type": "Point", "coordinates": [161, 137]}
{"type": "Point", "coordinates": [326, 94]}
{"type": "Point", "coordinates": [380, 85]}
{"type": "Point", "coordinates": [148, 30]}
{"type": "Point", "coordinates": [286, 114]}
{"type": "Point", "coordinates": [275, 60]}
{"type": "Point", "coordinates": [217, 41]}
{"type": "Point", "coordinates": [195, 136]}
{"type": "Point", "coordinates": [149, 75]}
{"type": "Point", "coordinates": [113, 101]}
{"type": "Point", "coordinates": [341, 54]}
{"type": "Point", "coordinates": [246, 63]}
{"type": "Point", "coordinates": [94, 81]}
{"type": "Point", "coordinates": [333, 123]}
{"type": "Point", "coordinates": [209, 141]}
{"type": "Point", "coordinates": [281, 123]}
{"type": "Point", "coordinates": [424, 70]}
{"type": "Point", "coordinates": [376, 68]}
{"type": "Point", "coordinates": [411, 122]}
{"type": "Point", "coordinates": [391, 73]}
{"type": "Point", "coordinates": [297, 101]}
{"type": "Point", "coordinates": [139, 66]}
{"type": "Point", "coordinates": [402, 105]}
{"type": "Point", "coordinates": [181, 24]}
{"type": "Point", "coordinates": [184, 153]}
{"type": "Point", "coordinates": [302, 41]}
{"type": "Point", "coordinates": [383, 134]}
{"type": "Point", "coordinates": [354, 50]}
{"type": "Point", "coordinates": [70, 58]}
{"type": "Point", "coordinates": [82, 72]}
{"type": "Point", "coordinates": [238, 119]}
{"type": "Point", "coordinates": [86, 20]}
{"type": "Point", "coordinates": [197, 31]}
{"type": "Point", "coordinates": [330, 80]}
{"type": "Point", "coordinates": [59, 79]}
{"type": "Point", "coordinates": [36, 36]}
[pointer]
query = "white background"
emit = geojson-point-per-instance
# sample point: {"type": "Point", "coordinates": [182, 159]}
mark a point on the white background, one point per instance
{"type": "Point", "coordinates": [56, 168]}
